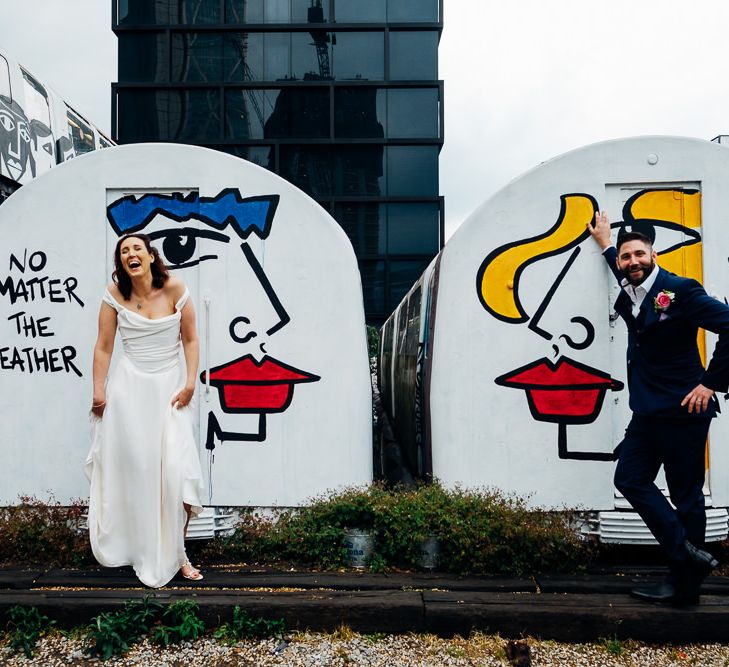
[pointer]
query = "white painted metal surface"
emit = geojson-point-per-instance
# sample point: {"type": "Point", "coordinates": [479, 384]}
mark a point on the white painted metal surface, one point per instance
{"type": "Point", "coordinates": [549, 299]}
{"type": "Point", "coordinates": [288, 410]}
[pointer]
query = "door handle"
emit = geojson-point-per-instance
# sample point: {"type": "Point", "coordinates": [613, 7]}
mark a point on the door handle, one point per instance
{"type": "Point", "coordinates": [207, 303]}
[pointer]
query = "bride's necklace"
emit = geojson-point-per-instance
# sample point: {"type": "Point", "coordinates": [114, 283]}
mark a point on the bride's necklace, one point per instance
{"type": "Point", "coordinates": [140, 300]}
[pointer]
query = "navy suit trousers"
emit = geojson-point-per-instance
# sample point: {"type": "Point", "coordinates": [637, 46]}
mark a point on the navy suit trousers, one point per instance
{"type": "Point", "coordinates": [679, 444]}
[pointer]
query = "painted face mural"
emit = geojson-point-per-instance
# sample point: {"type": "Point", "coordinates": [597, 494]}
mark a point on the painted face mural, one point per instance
{"type": "Point", "coordinates": [19, 139]}
{"type": "Point", "coordinates": [251, 385]}
{"type": "Point", "coordinates": [563, 390]}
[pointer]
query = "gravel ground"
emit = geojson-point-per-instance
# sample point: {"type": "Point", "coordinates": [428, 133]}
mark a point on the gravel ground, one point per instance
{"type": "Point", "coordinates": [347, 648]}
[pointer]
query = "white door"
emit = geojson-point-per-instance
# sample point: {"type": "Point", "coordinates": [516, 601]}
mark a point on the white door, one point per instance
{"type": "Point", "coordinates": [671, 212]}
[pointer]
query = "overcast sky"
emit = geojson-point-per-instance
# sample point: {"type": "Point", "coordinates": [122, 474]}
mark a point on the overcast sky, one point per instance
{"type": "Point", "coordinates": [524, 80]}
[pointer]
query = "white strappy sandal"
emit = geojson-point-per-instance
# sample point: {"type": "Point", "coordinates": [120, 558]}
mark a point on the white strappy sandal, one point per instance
{"type": "Point", "coordinates": [195, 575]}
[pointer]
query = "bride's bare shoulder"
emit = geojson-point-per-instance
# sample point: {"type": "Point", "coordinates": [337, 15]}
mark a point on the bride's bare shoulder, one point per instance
{"type": "Point", "coordinates": [174, 287]}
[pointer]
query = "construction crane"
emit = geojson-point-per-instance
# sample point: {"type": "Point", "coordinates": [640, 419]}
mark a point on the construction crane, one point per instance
{"type": "Point", "coordinates": [321, 38]}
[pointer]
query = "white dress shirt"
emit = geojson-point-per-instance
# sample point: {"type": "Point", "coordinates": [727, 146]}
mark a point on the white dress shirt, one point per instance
{"type": "Point", "coordinates": [637, 293]}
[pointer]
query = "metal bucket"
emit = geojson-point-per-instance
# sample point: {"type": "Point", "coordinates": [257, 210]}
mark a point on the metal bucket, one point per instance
{"type": "Point", "coordinates": [359, 547]}
{"type": "Point", "coordinates": [429, 553]}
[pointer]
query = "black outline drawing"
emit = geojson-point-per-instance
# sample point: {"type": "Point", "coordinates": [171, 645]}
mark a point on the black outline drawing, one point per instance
{"type": "Point", "coordinates": [195, 213]}
{"type": "Point", "coordinates": [603, 382]}
{"type": "Point", "coordinates": [648, 226]}
{"type": "Point", "coordinates": [284, 317]}
{"type": "Point", "coordinates": [213, 425]}
{"type": "Point", "coordinates": [498, 251]}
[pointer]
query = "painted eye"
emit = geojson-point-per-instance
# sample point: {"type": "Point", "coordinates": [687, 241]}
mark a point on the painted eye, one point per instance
{"type": "Point", "coordinates": [7, 122]}
{"type": "Point", "coordinates": [179, 248]}
{"type": "Point", "coordinates": [23, 132]}
{"type": "Point", "coordinates": [666, 236]}
{"type": "Point", "coordinates": [179, 245]}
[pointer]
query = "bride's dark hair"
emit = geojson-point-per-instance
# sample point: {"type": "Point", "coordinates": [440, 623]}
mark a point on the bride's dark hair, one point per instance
{"type": "Point", "coordinates": [160, 273]}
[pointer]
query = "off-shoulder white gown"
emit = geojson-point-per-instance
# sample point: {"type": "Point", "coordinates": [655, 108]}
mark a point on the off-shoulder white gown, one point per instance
{"type": "Point", "coordinates": [143, 462]}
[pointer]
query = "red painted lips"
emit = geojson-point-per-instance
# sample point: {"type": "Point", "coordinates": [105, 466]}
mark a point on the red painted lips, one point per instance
{"type": "Point", "coordinates": [566, 392]}
{"type": "Point", "coordinates": [245, 385]}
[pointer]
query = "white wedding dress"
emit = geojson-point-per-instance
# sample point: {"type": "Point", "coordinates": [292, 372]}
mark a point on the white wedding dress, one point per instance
{"type": "Point", "coordinates": [143, 462]}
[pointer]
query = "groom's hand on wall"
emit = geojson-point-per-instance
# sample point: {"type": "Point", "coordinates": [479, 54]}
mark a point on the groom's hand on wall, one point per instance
{"type": "Point", "coordinates": [600, 230]}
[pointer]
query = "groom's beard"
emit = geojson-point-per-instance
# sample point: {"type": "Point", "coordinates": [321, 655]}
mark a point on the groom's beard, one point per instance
{"type": "Point", "coordinates": [638, 272]}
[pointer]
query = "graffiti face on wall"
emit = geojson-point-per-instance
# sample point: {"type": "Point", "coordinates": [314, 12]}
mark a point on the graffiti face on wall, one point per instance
{"type": "Point", "coordinates": [253, 384]}
{"type": "Point", "coordinates": [563, 390]}
{"type": "Point", "coordinates": [20, 140]}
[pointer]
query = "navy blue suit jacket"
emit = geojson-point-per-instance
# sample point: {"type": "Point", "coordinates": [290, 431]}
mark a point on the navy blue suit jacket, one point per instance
{"type": "Point", "coordinates": [663, 356]}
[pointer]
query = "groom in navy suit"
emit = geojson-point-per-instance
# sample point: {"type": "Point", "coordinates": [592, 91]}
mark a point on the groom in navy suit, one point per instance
{"type": "Point", "coordinates": [672, 400]}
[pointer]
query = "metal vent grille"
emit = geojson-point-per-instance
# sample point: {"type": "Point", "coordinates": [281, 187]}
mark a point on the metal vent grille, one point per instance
{"type": "Point", "coordinates": [626, 527]}
{"type": "Point", "coordinates": [210, 522]}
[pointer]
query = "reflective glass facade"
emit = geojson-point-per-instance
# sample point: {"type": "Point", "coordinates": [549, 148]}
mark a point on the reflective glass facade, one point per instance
{"type": "Point", "coordinates": [340, 97]}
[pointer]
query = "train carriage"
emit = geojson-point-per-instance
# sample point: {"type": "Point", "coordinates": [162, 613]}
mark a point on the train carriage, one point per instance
{"type": "Point", "coordinates": [523, 383]}
{"type": "Point", "coordinates": [38, 128]}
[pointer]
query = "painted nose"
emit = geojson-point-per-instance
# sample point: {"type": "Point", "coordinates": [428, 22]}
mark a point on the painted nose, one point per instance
{"type": "Point", "coordinates": [240, 329]}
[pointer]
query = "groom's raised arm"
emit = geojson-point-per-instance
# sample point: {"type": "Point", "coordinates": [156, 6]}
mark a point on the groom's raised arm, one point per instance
{"type": "Point", "coordinates": [600, 232]}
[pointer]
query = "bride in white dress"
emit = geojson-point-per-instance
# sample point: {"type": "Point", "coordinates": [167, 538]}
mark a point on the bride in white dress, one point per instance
{"type": "Point", "coordinates": [143, 466]}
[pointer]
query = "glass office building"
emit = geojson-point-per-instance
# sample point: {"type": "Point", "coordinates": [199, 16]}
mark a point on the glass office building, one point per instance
{"type": "Point", "coordinates": [340, 97]}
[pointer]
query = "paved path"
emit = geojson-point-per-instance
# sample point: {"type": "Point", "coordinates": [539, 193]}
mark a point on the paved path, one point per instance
{"type": "Point", "coordinates": [565, 608]}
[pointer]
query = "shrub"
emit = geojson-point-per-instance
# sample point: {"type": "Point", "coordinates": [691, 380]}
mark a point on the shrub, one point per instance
{"type": "Point", "coordinates": [25, 626]}
{"type": "Point", "coordinates": [48, 533]}
{"type": "Point", "coordinates": [483, 532]}
{"type": "Point", "coordinates": [180, 622]}
{"type": "Point", "coordinates": [373, 341]}
{"type": "Point", "coordinates": [113, 633]}
{"type": "Point", "coordinates": [245, 626]}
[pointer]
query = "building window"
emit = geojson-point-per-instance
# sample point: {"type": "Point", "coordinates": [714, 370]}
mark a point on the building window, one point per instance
{"type": "Point", "coordinates": [143, 56]}
{"type": "Point", "coordinates": [243, 56]}
{"type": "Point", "coordinates": [413, 228]}
{"type": "Point", "coordinates": [197, 56]}
{"type": "Point", "coordinates": [392, 228]}
{"type": "Point", "coordinates": [80, 132]}
{"type": "Point", "coordinates": [304, 11]}
{"type": "Point", "coordinates": [359, 112]}
{"type": "Point", "coordinates": [356, 11]}
{"type": "Point", "coordinates": [244, 11]}
{"type": "Point", "coordinates": [404, 122]}
{"type": "Point", "coordinates": [277, 113]}
{"type": "Point", "coordinates": [193, 116]}
{"type": "Point", "coordinates": [168, 12]}
{"type": "Point", "coordinates": [413, 55]}
{"type": "Point", "coordinates": [276, 56]}
{"type": "Point", "coordinates": [412, 171]}
{"type": "Point", "coordinates": [305, 60]}
{"type": "Point", "coordinates": [365, 224]}
{"type": "Point", "coordinates": [194, 12]}
{"type": "Point", "coordinates": [359, 56]}
{"type": "Point", "coordinates": [412, 11]}
{"type": "Point", "coordinates": [277, 11]}
{"type": "Point", "coordinates": [36, 100]}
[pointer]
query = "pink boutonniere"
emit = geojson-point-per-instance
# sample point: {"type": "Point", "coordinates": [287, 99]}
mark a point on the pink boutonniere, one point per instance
{"type": "Point", "coordinates": [663, 300]}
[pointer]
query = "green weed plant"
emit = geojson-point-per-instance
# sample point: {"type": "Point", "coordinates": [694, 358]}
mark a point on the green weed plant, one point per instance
{"type": "Point", "coordinates": [245, 626]}
{"type": "Point", "coordinates": [114, 633]}
{"type": "Point", "coordinates": [180, 622]}
{"type": "Point", "coordinates": [25, 626]}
